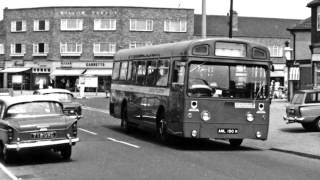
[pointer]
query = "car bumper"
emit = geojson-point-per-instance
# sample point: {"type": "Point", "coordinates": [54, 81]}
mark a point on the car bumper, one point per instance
{"type": "Point", "coordinates": [24, 145]}
{"type": "Point", "coordinates": [293, 119]}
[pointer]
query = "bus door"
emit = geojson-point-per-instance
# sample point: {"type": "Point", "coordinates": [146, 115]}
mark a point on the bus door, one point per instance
{"type": "Point", "coordinates": [176, 98]}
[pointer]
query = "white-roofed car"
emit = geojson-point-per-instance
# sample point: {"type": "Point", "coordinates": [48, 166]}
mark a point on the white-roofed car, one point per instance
{"type": "Point", "coordinates": [35, 122]}
{"type": "Point", "coordinates": [70, 106]}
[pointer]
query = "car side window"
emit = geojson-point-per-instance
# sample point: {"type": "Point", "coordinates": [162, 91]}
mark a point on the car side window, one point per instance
{"type": "Point", "coordinates": [311, 98]}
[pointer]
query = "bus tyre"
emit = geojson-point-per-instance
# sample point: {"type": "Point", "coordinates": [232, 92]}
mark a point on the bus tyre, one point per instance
{"type": "Point", "coordinates": [162, 132]}
{"type": "Point", "coordinates": [124, 119]}
{"type": "Point", "coordinates": [235, 143]}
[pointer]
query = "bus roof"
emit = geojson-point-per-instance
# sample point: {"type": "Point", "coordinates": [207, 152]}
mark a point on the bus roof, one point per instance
{"type": "Point", "coordinates": [183, 48]}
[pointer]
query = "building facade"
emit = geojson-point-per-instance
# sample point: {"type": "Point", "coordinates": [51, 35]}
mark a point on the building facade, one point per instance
{"type": "Point", "coordinates": [65, 43]}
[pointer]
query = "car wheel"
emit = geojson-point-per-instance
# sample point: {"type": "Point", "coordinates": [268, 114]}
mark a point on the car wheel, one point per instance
{"type": "Point", "coordinates": [235, 143]}
{"type": "Point", "coordinates": [5, 154]}
{"type": "Point", "coordinates": [124, 120]}
{"type": "Point", "coordinates": [316, 125]}
{"type": "Point", "coordinates": [66, 152]}
{"type": "Point", "coordinates": [307, 126]}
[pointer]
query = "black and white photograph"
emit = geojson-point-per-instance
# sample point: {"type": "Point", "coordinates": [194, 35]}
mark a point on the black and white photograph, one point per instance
{"type": "Point", "coordinates": [160, 89]}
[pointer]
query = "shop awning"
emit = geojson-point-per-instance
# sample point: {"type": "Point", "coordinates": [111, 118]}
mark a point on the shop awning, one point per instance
{"type": "Point", "coordinates": [98, 72]}
{"type": "Point", "coordinates": [14, 70]}
{"type": "Point", "coordinates": [67, 72]}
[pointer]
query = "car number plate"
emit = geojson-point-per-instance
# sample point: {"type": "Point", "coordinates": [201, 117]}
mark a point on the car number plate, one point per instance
{"type": "Point", "coordinates": [43, 135]}
{"type": "Point", "coordinates": [228, 131]}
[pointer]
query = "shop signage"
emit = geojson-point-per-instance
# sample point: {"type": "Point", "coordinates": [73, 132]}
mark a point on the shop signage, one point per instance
{"type": "Point", "coordinates": [315, 57]}
{"type": "Point", "coordinates": [89, 81]}
{"type": "Point", "coordinates": [17, 79]}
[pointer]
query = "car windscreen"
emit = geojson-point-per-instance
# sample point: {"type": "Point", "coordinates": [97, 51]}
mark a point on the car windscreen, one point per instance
{"type": "Point", "coordinates": [207, 79]}
{"type": "Point", "coordinates": [34, 108]}
{"type": "Point", "coordinates": [61, 96]}
{"type": "Point", "coordinates": [297, 98]}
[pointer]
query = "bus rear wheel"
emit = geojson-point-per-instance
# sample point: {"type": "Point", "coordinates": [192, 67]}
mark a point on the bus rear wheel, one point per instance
{"type": "Point", "coordinates": [235, 142]}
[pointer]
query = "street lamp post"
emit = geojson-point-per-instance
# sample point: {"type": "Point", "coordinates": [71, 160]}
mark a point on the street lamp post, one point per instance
{"type": "Point", "coordinates": [231, 17]}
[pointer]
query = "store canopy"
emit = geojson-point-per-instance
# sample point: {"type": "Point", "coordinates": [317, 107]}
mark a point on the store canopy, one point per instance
{"type": "Point", "coordinates": [98, 72]}
{"type": "Point", "coordinates": [67, 72]}
{"type": "Point", "coordinates": [14, 70]}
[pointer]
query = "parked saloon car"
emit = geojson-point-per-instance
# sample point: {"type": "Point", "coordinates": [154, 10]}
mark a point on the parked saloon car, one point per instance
{"type": "Point", "coordinates": [304, 108]}
{"type": "Point", "coordinates": [35, 122]}
{"type": "Point", "coordinates": [70, 107]}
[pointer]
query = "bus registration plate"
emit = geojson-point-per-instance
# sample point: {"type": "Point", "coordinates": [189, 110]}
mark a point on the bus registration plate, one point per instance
{"type": "Point", "coordinates": [228, 131]}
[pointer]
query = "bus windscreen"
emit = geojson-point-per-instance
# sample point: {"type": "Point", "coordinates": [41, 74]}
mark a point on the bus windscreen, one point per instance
{"type": "Point", "coordinates": [227, 81]}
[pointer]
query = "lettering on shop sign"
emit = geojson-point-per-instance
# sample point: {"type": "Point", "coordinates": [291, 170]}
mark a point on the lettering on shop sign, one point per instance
{"type": "Point", "coordinates": [95, 64]}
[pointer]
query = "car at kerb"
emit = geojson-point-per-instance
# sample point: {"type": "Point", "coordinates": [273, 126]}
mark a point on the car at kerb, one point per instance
{"type": "Point", "coordinates": [70, 107]}
{"type": "Point", "coordinates": [35, 122]}
{"type": "Point", "coordinates": [304, 108]}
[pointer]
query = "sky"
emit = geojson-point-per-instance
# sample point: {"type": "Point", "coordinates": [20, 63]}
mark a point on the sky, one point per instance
{"type": "Point", "coordinates": [287, 9]}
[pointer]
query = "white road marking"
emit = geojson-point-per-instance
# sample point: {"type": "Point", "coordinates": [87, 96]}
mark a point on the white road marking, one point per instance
{"type": "Point", "coordinates": [90, 132]}
{"type": "Point", "coordinates": [123, 142]}
{"type": "Point", "coordinates": [10, 174]}
{"type": "Point", "coordinates": [95, 109]}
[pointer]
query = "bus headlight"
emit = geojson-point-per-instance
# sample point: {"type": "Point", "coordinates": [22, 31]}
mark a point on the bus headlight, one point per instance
{"type": "Point", "coordinates": [205, 115]}
{"type": "Point", "coordinates": [250, 117]}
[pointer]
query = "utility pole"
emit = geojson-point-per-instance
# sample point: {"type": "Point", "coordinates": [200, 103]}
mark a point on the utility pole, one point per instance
{"type": "Point", "coordinates": [204, 19]}
{"type": "Point", "coordinates": [231, 17]}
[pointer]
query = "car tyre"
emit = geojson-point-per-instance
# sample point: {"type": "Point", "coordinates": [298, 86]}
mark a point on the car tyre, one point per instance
{"type": "Point", "coordinates": [5, 154]}
{"type": "Point", "coordinates": [308, 126]}
{"type": "Point", "coordinates": [66, 152]}
{"type": "Point", "coordinates": [235, 143]}
{"type": "Point", "coordinates": [316, 124]}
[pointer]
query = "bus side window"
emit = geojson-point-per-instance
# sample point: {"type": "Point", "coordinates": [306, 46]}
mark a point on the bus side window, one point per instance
{"type": "Point", "coordinates": [178, 72]}
{"type": "Point", "coordinates": [141, 72]}
{"type": "Point", "coordinates": [115, 72]}
{"type": "Point", "coordinates": [134, 72]}
{"type": "Point", "coordinates": [163, 68]}
{"type": "Point", "coordinates": [129, 71]}
{"type": "Point", "coordinates": [123, 70]}
{"type": "Point", "coordinates": [152, 73]}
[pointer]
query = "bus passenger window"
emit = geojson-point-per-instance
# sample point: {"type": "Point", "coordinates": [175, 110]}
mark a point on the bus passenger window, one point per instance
{"type": "Point", "coordinates": [152, 73]}
{"type": "Point", "coordinates": [129, 71]}
{"type": "Point", "coordinates": [163, 68]}
{"type": "Point", "coordinates": [178, 72]}
{"type": "Point", "coordinates": [123, 70]}
{"type": "Point", "coordinates": [141, 72]}
{"type": "Point", "coordinates": [115, 72]}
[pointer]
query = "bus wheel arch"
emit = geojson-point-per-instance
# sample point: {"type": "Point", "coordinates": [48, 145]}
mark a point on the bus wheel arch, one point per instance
{"type": "Point", "coordinates": [235, 143]}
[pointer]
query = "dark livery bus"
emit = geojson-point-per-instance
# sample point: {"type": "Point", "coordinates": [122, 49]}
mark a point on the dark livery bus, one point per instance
{"type": "Point", "coordinates": [207, 88]}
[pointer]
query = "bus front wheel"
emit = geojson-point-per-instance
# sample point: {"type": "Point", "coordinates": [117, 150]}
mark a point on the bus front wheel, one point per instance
{"type": "Point", "coordinates": [235, 142]}
{"type": "Point", "coordinates": [124, 119]}
{"type": "Point", "coordinates": [162, 132]}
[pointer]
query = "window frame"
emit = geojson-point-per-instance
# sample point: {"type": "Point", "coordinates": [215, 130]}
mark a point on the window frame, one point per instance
{"type": "Point", "coordinates": [1, 48]}
{"type": "Point", "coordinates": [78, 47]}
{"type": "Point", "coordinates": [36, 25]}
{"type": "Point", "coordinates": [64, 25]}
{"type": "Point", "coordinates": [13, 49]}
{"type": "Point", "coordinates": [97, 49]}
{"type": "Point", "coordinates": [36, 52]}
{"type": "Point", "coordinates": [112, 23]}
{"type": "Point", "coordinates": [23, 26]}
{"type": "Point", "coordinates": [183, 26]}
{"type": "Point", "coordinates": [135, 27]}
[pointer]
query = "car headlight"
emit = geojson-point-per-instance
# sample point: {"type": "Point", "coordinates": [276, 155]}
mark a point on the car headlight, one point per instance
{"type": "Point", "coordinates": [205, 115]}
{"type": "Point", "coordinates": [250, 117]}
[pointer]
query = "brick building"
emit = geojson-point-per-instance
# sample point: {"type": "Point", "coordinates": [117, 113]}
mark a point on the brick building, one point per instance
{"type": "Point", "coordinates": [64, 43]}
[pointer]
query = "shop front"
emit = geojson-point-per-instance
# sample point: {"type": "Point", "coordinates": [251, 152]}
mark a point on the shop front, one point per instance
{"type": "Point", "coordinates": [104, 78]}
{"type": "Point", "coordinates": [17, 78]}
{"type": "Point", "coordinates": [66, 78]}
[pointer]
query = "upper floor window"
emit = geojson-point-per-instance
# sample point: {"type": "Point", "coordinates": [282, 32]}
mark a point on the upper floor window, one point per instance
{"type": "Point", "coordinates": [276, 51]}
{"type": "Point", "coordinates": [71, 24]}
{"type": "Point", "coordinates": [70, 49]}
{"type": "Point", "coordinates": [105, 24]}
{"type": "Point", "coordinates": [17, 49]}
{"type": "Point", "coordinates": [135, 44]}
{"type": "Point", "coordinates": [40, 49]}
{"type": "Point", "coordinates": [41, 25]}
{"type": "Point", "coordinates": [18, 26]}
{"type": "Point", "coordinates": [175, 26]}
{"type": "Point", "coordinates": [141, 25]}
{"type": "Point", "coordinates": [1, 49]}
{"type": "Point", "coordinates": [104, 49]}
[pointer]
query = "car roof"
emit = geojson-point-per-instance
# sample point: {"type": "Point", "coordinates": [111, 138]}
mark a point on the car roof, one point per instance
{"type": "Point", "coordinates": [10, 100]}
{"type": "Point", "coordinates": [53, 90]}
